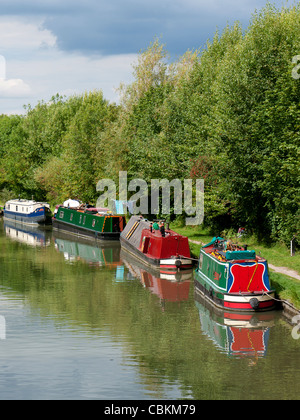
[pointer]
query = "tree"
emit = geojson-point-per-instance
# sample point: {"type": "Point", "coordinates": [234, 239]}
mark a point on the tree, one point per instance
{"type": "Point", "coordinates": [258, 114]}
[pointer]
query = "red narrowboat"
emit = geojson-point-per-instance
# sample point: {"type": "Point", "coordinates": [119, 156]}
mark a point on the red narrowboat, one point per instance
{"type": "Point", "coordinates": [156, 245]}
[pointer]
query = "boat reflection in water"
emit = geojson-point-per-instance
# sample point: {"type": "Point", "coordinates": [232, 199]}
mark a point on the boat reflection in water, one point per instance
{"type": "Point", "coordinates": [102, 254]}
{"type": "Point", "coordinates": [34, 235]}
{"type": "Point", "coordinates": [240, 335]}
{"type": "Point", "coordinates": [169, 287]}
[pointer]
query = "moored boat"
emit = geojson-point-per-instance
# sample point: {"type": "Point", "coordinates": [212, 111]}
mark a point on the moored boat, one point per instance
{"type": "Point", "coordinates": [161, 247]}
{"type": "Point", "coordinates": [27, 211]}
{"type": "Point", "coordinates": [233, 278]}
{"type": "Point", "coordinates": [87, 221]}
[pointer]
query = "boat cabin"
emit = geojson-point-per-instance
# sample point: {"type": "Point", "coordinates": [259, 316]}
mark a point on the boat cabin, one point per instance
{"type": "Point", "coordinates": [156, 244]}
{"type": "Point", "coordinates": [24, 206]}
{"type": "Point", "coordinates": [233, 268]}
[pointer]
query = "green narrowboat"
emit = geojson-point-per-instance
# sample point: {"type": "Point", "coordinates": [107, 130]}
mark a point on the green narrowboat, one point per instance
{"type": "Point", "coordinates": [233, 278]}
{"type": "Point", "coordinates": [88, 222]}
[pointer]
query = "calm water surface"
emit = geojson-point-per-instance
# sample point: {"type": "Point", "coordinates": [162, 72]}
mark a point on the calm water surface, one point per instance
{"type": "Point", "coordinates": [84, 321]}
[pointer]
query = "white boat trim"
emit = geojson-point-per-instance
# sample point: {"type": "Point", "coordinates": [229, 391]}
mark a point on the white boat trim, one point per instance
{"type": "Point", "coordinates": [172, 261]}
{"type": "Point", "coordinates": [246, 298]}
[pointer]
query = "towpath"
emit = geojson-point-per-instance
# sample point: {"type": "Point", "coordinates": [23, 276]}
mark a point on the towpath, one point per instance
{"type": "Point", "coordinates": [282, 270]}
{"type": "Point", "coordinates": [286, 271]}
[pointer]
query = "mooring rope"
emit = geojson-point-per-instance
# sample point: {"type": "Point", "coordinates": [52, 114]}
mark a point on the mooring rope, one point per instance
{"type": "Point", "coordinates": [281, 300]}
{"type": "Point", "coordinates": [188, 258]}
{"type": "Point", "coordinates": [264, 293]}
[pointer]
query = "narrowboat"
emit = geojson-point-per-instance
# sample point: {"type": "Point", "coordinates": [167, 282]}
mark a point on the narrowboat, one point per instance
{"type": "Point", "coordinates": [89, 222]}
{"type": "Point", "coordinates": [156, 245]}
{"type": "Point", "coordinates": [27, 212]}
{"type": "Point", "coordinates": [233, 277]}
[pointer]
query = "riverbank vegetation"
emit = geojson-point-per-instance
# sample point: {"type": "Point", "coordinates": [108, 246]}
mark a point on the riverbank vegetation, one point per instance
{"type": "Point", "coordinates": [227, 113]}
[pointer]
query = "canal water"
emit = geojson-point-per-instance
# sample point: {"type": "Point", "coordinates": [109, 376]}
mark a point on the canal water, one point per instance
{"type": "Point", "coordinates": [80, 320]}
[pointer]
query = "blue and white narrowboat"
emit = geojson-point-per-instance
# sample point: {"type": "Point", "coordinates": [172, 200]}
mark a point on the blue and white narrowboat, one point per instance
{"type": "Point", "coordinates": [27, 211]}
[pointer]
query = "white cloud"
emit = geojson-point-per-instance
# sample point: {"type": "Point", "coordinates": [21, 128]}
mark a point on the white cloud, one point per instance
{"type": "Point", "coordinates": [47, 73]}
{"type": "Point", "coordinates": [58, 72]}
{"type": "Point", "coordinates": [14, 88]}
{"type": "Point", "coordinates": [54, 46]}
{"type": "Point", "coordinates": [11, 88]}
{"type": "Point", "coordinates": [19, 38]}
{"type": "Point", "coordinates": [19, 35]}
{"type": "Point", "coordinates": [33, 68]}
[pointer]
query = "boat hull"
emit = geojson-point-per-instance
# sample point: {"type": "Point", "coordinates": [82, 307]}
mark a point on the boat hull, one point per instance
{"type": "Point", "coordinates": [83, 232]}
{"type": "Point", "coordinates": [88, 224]}
{"type": "Point", "coordinates": [241, 302]}
{"type": "Point", "coordinates": [167, 265]}
{"type": "Point", "coordinates": [37, 218]}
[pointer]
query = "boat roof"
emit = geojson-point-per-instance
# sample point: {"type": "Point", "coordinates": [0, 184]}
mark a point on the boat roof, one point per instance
{"type": "Point", "coordinates": [72, 203]}
{"type": "Point", "coordinates": [25, 202]}
{"type": "Point", "coordinates": [134, 229]}
{"type": "Point", "coordinates": [225, 250]}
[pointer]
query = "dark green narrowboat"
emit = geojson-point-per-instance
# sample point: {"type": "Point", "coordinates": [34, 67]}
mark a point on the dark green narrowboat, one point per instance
{"type": "Point", "coordinates": [88, 222]}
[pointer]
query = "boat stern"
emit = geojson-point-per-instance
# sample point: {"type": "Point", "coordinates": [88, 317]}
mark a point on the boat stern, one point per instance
{"type": "Point", "coordinates": [176, 263]}
{"type": "Point", "coordinates": [257, 302]}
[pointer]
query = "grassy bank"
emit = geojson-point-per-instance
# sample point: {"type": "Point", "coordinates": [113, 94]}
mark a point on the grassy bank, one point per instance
{"type": "Point", "coordinates": [287, 288]}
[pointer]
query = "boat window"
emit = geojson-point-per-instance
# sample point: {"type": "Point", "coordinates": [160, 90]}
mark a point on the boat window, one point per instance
{"type": "Point", "coordinates": [94, 222]}
{"type": "Point", "coordinates": [61, 214]}
{"type": "Point", "coordinates": [80, 218]}
{"type": "Point", "coordinates": [84, 219]}
{"type": "Point", "coordinates": [71, 217]}
{"type": "Point", "coordinates": [16, 208]}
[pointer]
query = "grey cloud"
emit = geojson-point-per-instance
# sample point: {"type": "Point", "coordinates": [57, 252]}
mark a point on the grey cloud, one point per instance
{"type": "Point", "coordinates": [127, 26]}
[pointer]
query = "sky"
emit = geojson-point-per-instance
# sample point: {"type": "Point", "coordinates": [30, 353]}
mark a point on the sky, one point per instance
{"type": "Point", "coordinates": [70, 47]}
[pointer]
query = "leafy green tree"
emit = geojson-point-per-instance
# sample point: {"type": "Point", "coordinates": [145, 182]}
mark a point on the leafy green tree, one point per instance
{"type": "Point", "coordinates": [258, 115]}
{"type": "Point", "coordinates": [73, 172]}
{"type": "Point", "coordinates": [228, 113]}
{"type": "Point", "coordinates": [7, 125]}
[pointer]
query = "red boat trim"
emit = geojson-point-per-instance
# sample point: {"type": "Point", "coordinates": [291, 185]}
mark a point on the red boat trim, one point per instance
{"type": "Point", "coordinates": [174, 266]}
{"type": "Point", "coordinates": [173, 271]}
{"type": "Point", "coordinates": [241, 305]}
